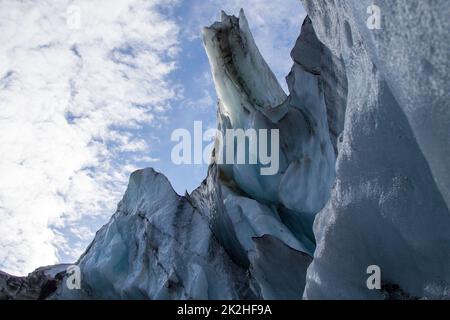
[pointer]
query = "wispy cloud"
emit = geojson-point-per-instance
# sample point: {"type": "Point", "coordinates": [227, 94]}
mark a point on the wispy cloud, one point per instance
{"type": "Point", "coordinates": [72, 103]}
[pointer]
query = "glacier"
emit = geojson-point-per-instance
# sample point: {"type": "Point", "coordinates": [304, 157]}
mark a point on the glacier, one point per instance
{"type": "Point", "coordinates": [363, 179]}
{"type": "Point", "coordinates": [389, 204]}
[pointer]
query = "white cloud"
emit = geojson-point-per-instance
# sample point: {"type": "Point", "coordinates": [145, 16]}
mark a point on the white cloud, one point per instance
{"type": "Point", "coordinates": [71, 101]}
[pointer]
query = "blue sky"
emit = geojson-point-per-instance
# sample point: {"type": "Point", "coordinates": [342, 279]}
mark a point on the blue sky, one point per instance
{"type": "Point", "coordinates": [83, 104]}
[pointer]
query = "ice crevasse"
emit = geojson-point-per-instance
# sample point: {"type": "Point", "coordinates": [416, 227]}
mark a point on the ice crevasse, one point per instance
{"type": "Point", "coordinates": [363, 175]}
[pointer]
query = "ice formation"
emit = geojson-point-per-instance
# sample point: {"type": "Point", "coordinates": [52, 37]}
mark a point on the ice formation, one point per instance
{"type": "Point", "coordinates": [389, 205]}
{"type": "Point", "coordinates": [39, 284]}
{"type": "Point", "coordinates": [364, 156]}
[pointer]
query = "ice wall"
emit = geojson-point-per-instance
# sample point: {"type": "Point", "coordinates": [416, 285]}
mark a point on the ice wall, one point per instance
{"type": "Point", "coordinates": [389, 204]}
{"type": "Point", "coordinates": [156, 246]}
